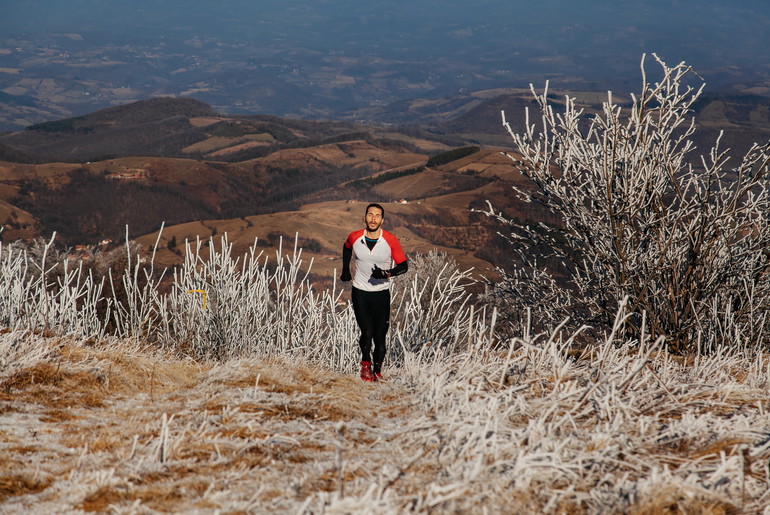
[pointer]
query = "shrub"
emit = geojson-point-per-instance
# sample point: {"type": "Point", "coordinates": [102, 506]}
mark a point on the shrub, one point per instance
{"type": "Point", "coordinates": [430, 304]}
{"type": "Point", "coordinates": [67, 125]}
{"type": "Point", "coordinates": [451, 155]}
{"type": "Point", "coordinates": [681, 245]}
{"type": "Point", "coordinates": [384, 177]}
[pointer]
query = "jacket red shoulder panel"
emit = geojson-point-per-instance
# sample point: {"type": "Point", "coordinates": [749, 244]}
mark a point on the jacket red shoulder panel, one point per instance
{"type": "Point", "coordinates": [352, 237]}
{"type": "Point", "coordinates": [396, 252]}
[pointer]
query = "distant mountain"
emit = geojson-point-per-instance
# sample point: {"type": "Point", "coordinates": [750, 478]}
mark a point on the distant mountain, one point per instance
{"type": "Point", "coordinates": [742, 119]}
{"type": "Point", "coordinates": [154, 127]}
{"type": "Point", "coordinates": [483, 121]}
{"type": "Point", "coordinates": [178, 161]}
{"type": "Point", "coordinates": [251, 176]}
{"type": "Point", "coordinates": [172, 127]}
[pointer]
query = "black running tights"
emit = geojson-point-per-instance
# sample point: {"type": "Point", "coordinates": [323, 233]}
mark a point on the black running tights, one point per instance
{"type": "Point", "coordinates": [372, 310]}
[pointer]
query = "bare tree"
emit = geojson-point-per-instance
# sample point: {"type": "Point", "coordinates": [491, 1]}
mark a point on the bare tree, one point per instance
{"type": "Point", "coordinates": [685, 240]}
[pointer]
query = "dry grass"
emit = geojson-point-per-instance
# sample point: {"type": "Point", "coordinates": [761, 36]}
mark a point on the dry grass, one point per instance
{"type": "Point", "coordinates": [116, 428]}
{"type": "Point", "coordinates": [88, 431]}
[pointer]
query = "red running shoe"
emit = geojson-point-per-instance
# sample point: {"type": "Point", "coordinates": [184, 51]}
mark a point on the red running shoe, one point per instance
{"type": "Point", "coordinates": [366, 371]}
{"type": "Point", "coordinates": [377, 376]}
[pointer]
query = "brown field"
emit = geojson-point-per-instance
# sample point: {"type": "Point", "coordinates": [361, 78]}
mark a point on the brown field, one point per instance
{"type": "Point", "coordinates": [436, 216]}
{"type": "Point", "coordinates": [203, 121]}
{"type": "Point", "coordinates": [348, 154]}
{"type": "Point", "coordinates": [326, 223]}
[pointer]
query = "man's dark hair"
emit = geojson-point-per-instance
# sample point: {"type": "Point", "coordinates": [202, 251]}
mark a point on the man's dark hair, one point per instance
{"type": "Point", "coordinates": [382, 209]}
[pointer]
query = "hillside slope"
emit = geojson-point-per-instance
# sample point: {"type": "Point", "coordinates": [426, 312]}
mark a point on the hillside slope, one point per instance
{"type": "Point", "coordinates": [428, 208]}
{"type": "Point", "coordinates": [88, 202]}
{"type": "Point", "coordinates": [194, 164]}
{"type": "Point", "coordinates": [743, 119]}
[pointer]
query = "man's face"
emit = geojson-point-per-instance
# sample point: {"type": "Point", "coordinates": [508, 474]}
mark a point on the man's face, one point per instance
{"type": "Point", "coordinates": [373, 219]}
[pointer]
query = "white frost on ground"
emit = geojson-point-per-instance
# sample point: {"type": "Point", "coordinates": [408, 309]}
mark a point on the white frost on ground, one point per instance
{"type": "Point", "coordinates": [111, 427]}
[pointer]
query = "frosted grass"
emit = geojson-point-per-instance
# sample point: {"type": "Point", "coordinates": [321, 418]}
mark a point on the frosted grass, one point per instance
{"type": "Point", "coordinates": [219, 306]}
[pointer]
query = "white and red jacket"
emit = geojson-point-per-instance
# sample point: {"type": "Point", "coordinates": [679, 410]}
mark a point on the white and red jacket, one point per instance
{"type": "Point", "coordinates": [385, 254]}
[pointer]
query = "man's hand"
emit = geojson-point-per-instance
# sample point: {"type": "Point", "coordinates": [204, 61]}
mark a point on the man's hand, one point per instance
{"type": "Point", "coordinates": [379, 273]}
{"type": "Point", "coordinates": [345, 277]}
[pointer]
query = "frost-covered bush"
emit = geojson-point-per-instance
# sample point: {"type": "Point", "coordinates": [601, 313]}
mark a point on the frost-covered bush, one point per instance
{"type": "Point", "coordinates": [431, 306]}
{"type": "Point", "coordinates": [685, 240]}
{"type": "Point", "coordinates": [221, 306]}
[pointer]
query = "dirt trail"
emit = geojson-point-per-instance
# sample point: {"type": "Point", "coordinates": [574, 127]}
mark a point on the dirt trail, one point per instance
{"type": "Point", "coordinates": [97, 429]}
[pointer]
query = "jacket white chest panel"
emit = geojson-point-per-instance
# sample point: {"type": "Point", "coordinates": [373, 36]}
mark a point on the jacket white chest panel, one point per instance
{"type": "Point", "coordinates": [365, 260]}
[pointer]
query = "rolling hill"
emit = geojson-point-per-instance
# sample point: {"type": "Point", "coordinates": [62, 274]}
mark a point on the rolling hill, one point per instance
{"type": "Point", "coordinates": [742, 118]}
{"type": "Point", "coordinates": [204, 166]}
{"type": "Point", "coordinates": [255, 178]}
{"type": "Point", "coordinates": [172, 127]}
{"type": "Point", "coordinates": [202, 173]}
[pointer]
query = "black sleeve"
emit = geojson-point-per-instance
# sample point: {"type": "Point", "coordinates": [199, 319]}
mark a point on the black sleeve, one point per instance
{"type": "Point", "coordinates": [347, 254]}
{"type": "Point", "coordinates": [399, 269]}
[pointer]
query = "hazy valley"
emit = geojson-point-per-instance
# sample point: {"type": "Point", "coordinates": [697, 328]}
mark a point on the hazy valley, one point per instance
{"type": "Point", "coordinates": [391, 63]}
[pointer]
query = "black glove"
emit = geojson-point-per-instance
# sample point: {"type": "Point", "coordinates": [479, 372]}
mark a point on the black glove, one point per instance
{"type": "Point", "coordinates": [379, 273]}
{"type": "Point", "coordinates": [345, 277]}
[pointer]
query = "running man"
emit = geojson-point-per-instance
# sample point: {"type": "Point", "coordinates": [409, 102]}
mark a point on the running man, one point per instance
{"type": "Point", "coordinates": [378, 257]}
